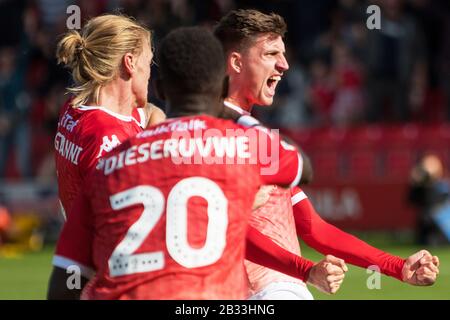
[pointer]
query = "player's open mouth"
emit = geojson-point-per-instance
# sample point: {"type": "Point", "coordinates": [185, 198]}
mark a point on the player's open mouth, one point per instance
{"type": "Point", "coordinates": [272, 84]}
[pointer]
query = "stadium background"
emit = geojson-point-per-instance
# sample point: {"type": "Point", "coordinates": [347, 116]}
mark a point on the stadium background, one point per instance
{"type": "Point", "coordinates": [364, 104]}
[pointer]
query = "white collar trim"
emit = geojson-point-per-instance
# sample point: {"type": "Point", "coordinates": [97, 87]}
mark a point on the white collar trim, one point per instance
{"type": "Point", "coordinates": [112, 113]}
{"type": "Point", "coordinates": [236, 108]}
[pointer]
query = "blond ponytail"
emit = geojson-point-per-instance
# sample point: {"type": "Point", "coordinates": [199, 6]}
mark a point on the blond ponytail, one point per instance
{"type": "Point", "coordinates": [94, 55]}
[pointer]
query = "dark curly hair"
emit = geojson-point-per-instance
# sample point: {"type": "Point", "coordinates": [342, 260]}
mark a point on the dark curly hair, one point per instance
{"type": "Point", "coordinates": [191, 60]}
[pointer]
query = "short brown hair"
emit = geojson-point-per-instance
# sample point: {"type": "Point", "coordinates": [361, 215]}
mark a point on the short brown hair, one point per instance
{"type": "Point", "coordinates": [238, 28]}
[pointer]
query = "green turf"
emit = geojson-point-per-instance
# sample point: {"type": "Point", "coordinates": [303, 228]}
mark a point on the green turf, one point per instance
{"type": "Point", "coordinates": [26, 278]}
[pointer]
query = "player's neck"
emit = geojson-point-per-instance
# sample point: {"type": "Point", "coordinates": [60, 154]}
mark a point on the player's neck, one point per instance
{"type": "Point", "coordinates": [239, 101]}
{"type": "Point", "coordinates": [193, 105]}
{"type": "Point", "coordinates": [116, 98]}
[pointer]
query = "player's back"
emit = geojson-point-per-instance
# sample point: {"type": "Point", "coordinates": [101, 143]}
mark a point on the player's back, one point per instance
{"type": "Point", "coordinates": [84, 134]}
{"type": "Point", "coordinates": [171, 230]}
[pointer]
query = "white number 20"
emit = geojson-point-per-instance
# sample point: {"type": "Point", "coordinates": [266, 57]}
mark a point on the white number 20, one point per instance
{"type": "Point", "coordinates": [123, 261]}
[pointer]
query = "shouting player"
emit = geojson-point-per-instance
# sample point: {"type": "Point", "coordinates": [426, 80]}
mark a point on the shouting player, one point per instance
{"type": "Point", "coordinates": [110, 63]}
{"type": "Point", "coordinates": [165, 214]}
{"type": "Point", "coordinates": [255, 58]}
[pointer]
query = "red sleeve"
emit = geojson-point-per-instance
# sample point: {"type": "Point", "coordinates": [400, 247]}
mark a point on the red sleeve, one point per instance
{"type": "Point", "coordinates": [263, 251]}
{"type": "Point", "coordinates": [75, 241]}
{"type": "Point", "coordinates": [328, 239]}
{"type": "Point", "coordinates": [280, 163]}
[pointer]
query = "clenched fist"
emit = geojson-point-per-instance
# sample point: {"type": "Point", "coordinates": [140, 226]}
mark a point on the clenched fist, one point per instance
{"type": "Point", "coordinates": [421, 269]}
{"type": "Point", "coordinates": [328, 274]}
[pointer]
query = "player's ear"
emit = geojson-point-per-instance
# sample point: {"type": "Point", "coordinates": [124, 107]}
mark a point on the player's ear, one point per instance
{"type": "Point", "coordinates": [159, 89]}
{"type": "Point", "coordinates": [129, 63]}
{"type": "Point", "coordinates": [225, 86]}
{"type": "Point", "coordinates": [235, 62]}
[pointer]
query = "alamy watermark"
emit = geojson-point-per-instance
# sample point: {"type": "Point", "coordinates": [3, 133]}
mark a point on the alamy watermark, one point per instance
{"type": "Point", "coordinates": [374, 280]}
{"type": "Point", "coordinates": [74, 280]}
{"type": "Point", "coordinates": [73, 21]}
{"type": "Point", "coordinates": [374, 20]}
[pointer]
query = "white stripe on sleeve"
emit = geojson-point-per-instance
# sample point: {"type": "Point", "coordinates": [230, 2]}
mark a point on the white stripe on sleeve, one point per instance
{"type": "Point", "coordinates": [296, 198]}
{"type": "Point", "coordinates": [248, 121]}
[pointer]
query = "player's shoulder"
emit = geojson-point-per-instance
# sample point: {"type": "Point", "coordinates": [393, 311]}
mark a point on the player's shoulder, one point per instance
{"type": "Point", "coordinates": [66, 107]}
{"type": "Point", "coordinates": [98, 121]}
{"type": "Point", "coordinates": [254, 127]}
{"type": "Point", "coordinates": [296, 190]}
{"type": "Point", "coordinates": [68, 113]}
{"type": "Point", "coordinates": [297, 195]}
{"type": "Point", "coordinates": [81, 116]}
{"type": "Point", "coordinates": [222, 123]}
{"type": "Point", "coordinates": [79, 125]}
{"type": "Point", "coordinates": [96, 114]}
{"type": "Point", "coordinates": [199, 122]}
{"type": "Point", "coordinates": [243, 122]}
{"type": "Point", "coordinates": [249, 121]}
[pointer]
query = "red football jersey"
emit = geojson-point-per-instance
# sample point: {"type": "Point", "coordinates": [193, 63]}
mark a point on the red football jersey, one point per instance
{"type": "Point", "coordinates": [274, 219]}
{"type": "Point", "coordinates": [165, 215]}
{"type": "Point", "coordinates": [84, 134]}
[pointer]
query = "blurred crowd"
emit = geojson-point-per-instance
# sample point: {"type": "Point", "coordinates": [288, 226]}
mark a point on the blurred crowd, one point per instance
{"type": "Point", "coordinates": [341, 73]}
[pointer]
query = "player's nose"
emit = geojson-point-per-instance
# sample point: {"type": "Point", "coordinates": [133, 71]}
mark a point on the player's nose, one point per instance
{"type": "Point", "coordinates": [282, 64]}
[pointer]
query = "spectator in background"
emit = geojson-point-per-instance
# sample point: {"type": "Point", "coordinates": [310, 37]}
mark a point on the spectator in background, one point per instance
{"type": "Point", "coordinates": [321, 91]}
{"type": "Point", "coordinates": [393, 53]}
{"type": "Point", "coordinates": [46, 113]}
{"type": "Point", "coordinates": [348, 103]}
{"type": "Point", "coordinates": [425, 104]}
{"type": "Point", "coordinates": [52, 12]}
{"type": "Point", "coordinates": [433, 17]}
{"type": "Point", "coordinates": [427, 191]}
{"type": "Point", "coordinates": [349, 26]}
{"type": "Point", "coordinates": [10, 14]}
{"type": "Point", "coordinates": [444, 62]}
{"type": "Point", "coordinates": [5, 222]}
{"type": "Point", "coordinates": [14, 107]}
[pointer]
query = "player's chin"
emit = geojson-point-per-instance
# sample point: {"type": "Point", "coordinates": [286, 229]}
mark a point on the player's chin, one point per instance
{"type": "Point", "coordinates": [265, 101]}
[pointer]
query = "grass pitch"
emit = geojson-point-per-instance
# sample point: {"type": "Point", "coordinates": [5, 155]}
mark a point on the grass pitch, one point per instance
{"type": "Point", "coordinates": [26, 277]}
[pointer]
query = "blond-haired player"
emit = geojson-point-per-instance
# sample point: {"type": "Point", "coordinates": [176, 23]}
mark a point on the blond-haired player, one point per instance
{"type": "Point", "coordinates": [110, 62]}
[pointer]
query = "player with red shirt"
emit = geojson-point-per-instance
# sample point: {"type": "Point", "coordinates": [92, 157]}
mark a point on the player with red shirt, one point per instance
{"type": "Point", "coordinates": [106, 108]}
{"type": "Point", "coordinates": [254, 48]}
{"type": "Point", "coordinates": [84, 135]}
{"type": "Point", "coordinates": [165, 214]}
